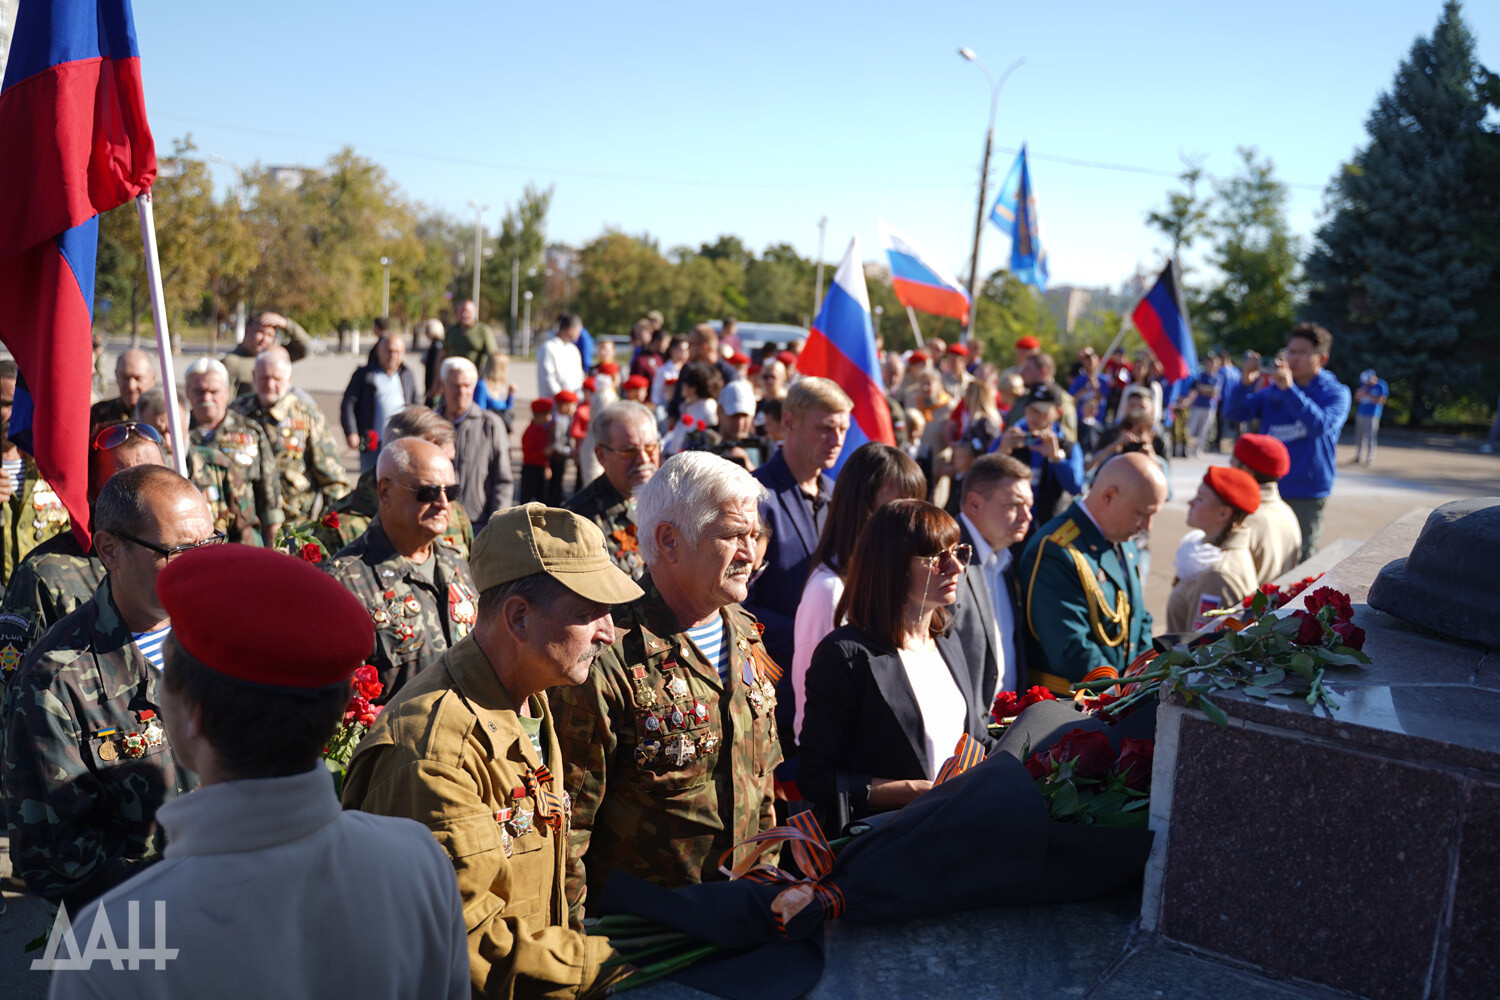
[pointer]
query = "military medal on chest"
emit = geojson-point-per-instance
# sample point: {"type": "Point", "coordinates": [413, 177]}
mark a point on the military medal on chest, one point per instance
{"type": "Point", "coordinates": [677, 718]}
{"type": "Point", "coordinates": [679, 749]}
{"type": "Point", "coordinates": [651, 723]}
{"type": "Point", "coordinates": [700, 710]}
{"type": "Point", "coordinates": [461, 608]}
{"type": "Point", "coordinates": [677, 687]}
{"type": "Point", "coordinates": [645, 695]}
{"type": "Point", "coordinates": [646, 751]}
{"type": "Point", "coordinates": [50, 512]}
{"type": "Point", "coordinates": [707, 744]}
{"type": "Point", "coordinates": [154, 734]}
{"type": "Point", "coordinates": [502, 817]}
{"type": "Point", "coordinates": [520, 820]}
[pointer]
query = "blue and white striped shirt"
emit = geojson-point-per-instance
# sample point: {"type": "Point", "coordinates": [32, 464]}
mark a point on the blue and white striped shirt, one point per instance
{"type": "Point", "coordinates": [709, 638]}
{"type": "Point", "coordinates": [149, 643]}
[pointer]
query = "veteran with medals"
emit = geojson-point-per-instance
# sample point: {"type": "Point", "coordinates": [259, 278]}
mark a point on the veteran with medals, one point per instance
{"type": "Point", "coordinates": [411, 579]}
{"type": "Point", "coordinates": [237, 438]}
{"type": "Point", "coordinates": [1086, 616]}
{"type": "Point", "coordinates": [468, 749]}
{"type": "Point", "coordinates": [670, 743]}
{"type": "Point", "coordinates": [629, 450]}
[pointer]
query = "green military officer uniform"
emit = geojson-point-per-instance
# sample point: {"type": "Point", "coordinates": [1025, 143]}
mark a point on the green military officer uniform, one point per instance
{"type": "Point", "coordinates": [306, 457]}
{"type": "Point", "coordinates": [1086, 614]}
{"type": "Point", "coordinates": [240, 363]}
{"type": "Point", "coordinates": [601, 503]}
{"type": "Point", "coordinates": [230, 498]}
{"type": "Point", "coordinates": [245, 443]}
{"type": "Point", "coordinates": [669, 765]}
{"type": "Point", "coordinates": [31, 516]}
{"type": "Point", "coordinates": [352, 515]}
{"type": "Point", "coordinates": [87, 762]}
{"type": "Point", "coordinates": [54, 580]}
{"type": "Point", "coordinates": [476, 343]}
{"type": "Point", "coordinates": [417, 616]}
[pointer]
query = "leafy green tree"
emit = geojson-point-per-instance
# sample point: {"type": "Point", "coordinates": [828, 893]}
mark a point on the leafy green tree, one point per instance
{"type": "Point", "coordinates": [779, 286]}
{"type": "Point", "coordinates": [1010, 309]}
{"type": "Point", "coordinates": [522, 238]}
{"type": "Point", "coordinates": [621, 279]}
{"type": "Point", "coordinates": [1252, 301]}
{"type": "Point", "coordinates": [1410, 248]}
{"type": "Point", "coordinates": [1186, 214]}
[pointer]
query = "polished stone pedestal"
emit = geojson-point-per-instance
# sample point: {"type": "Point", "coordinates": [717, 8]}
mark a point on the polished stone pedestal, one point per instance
{"type": "Point", "coordinates": [1357, 850]}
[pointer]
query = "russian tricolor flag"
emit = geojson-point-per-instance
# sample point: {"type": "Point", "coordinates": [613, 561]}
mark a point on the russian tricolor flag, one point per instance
{"type": "Point", "coordinates": [919, 281]}
{"type": "Point", "coordinates": [841, 347]}
{"type": "Point", "coordinates": [76, 143]}
{"type": "Point", "coordinates": [1162, 319]}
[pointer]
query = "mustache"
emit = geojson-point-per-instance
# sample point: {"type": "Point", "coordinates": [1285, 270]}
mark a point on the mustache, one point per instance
{"type": "Point", "coordinates": [593, 653]}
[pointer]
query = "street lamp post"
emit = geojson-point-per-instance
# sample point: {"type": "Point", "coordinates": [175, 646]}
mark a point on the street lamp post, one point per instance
{"type": "Point", "coordinates": [515, 285]}
{"type": "Point", "coordinates": [479, 211]}
{"type": "Point", "coordinates": [385, 295]}
{"type": "Point", "coordinates": [879, 311]}
{"type": "Point", "coordinates": [818, 289]}
{"type": "Point", "coordinates": [526, 323]}
{"type": "Point", "coordinates": [984, 176]}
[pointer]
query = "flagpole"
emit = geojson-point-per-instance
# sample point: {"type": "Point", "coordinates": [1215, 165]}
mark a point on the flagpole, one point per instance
{"type": "Point", "coordinates": [916, 330]}
{"type": "Point", "coordinates": [163, 341]}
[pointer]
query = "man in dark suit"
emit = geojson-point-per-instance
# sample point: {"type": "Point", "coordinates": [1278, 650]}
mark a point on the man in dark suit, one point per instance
{"type": "Point", "coordinates": [815, 415]}
{"type": "Point", "coordinates": [995, 513]}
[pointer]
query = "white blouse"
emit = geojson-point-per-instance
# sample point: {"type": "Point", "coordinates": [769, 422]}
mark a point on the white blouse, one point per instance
{"type": "Point", "coordinates": [940, 701]}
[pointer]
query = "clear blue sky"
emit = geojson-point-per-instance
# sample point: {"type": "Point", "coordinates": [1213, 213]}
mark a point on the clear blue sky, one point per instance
{"type": "Point", "coordinates": [691, 120]}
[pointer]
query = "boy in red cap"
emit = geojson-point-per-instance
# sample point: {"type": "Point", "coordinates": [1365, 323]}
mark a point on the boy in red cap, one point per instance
{"type": "Point", "coordinates": [1214, 568]}
{"type": "Point", "coordinates": [536, 452]}
{"type": "Point", "coordinates": [1275, 534]}
{"type": "Point", "coordinates": [261, 861]}
{"type": "Point", "coordinates": [635, 389]}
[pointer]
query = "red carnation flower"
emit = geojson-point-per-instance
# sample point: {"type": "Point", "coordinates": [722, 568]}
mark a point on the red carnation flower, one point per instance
{"type": "Point", "coordinates": [1326, 597]}
{"type": "Point", "coordinates": [312, 552]}
{"type": "Point", "coordinates": [372, 441]}
{"type": "Point", "coordinates": [1310, 633]}
{"type": "Point", "coordinates": [1350, 635]}
{"type": "Point", "coordinates": [331, 520]}
{"type": "Point", "coordinates": [1133, 766]}
{"type": "Point", "coordinates": [1006, 705]}
{"type": "Point", "coordinates": [1035, 694]}
{"type": "Point", "coordinates": [1090, 752]}
{"type": "Point", "coordinates": [367, 682]}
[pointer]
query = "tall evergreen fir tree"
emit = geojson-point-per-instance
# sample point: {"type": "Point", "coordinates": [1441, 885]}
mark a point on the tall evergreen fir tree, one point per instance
{"type": "Point", "coordinates": [1396, 269]}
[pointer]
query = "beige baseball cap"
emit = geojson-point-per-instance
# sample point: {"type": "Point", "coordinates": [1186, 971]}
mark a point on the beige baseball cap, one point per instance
{"type": "Point", "coordinates": [523, 541]}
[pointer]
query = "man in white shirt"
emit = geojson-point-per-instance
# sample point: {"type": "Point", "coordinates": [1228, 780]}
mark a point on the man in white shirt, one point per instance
{"type": "Point", "coordinates": [559, 364]}
{"type": "Point", "coordinates": [994, 514]}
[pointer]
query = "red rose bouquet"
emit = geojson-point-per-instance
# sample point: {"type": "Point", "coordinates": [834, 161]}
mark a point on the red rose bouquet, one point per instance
{"type": "Point", "coordinates": [1009, 704]}
{"type": "Point", "coordinates": [358, 718]}
{"type": "Point", "coordinates": [1084, 780]}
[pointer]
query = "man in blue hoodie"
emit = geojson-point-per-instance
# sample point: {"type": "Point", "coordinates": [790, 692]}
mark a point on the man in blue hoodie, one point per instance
{"type": "Point", "coordinates": [1304, 408]}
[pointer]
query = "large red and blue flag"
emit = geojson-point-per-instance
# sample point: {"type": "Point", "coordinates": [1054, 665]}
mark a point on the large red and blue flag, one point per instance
{"type": "Point", "coordinates": [841, 347]}
{"type": "Point", "coordinates": [919, 281]}
{"type": "Point", "coordinates": [1162, 318]}
{"type": "Point", "coordinates": [77, 143]}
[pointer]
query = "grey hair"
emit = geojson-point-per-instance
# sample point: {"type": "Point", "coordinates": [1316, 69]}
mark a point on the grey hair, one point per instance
{"type": "Point", "coordinates": [277, 356]}
{"type": "Point", "coordinates": [689, 491]}
{"type": "Point", "coordinates": [624, 411]}
{"type": "Point", "coordinates": [433, 328]}
{"type": "Point", "coordinates": [207, 366]}
{"type": "Point", "coordinates": [151, 401]}
{"type": "Point", "coordinates": [451, 365]}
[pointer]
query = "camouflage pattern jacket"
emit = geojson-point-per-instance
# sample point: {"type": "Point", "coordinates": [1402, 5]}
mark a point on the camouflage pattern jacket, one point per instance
{"type": "Point", "coordinates": [415, 621]}
{"type": "Point", "coordinates": [29, 517]}
{"type": "Point", "coordinates": [241, 365]}
{"type": "Point", "coordinates": [230, 499]}
{"type": "Point", "coordinates": [87, 762]}
{"type": "Point", "coordinates": [245, 444]}
{"type": "Point", "coordinates": [601, 503]}
{"type": "Point", "coordinates": [353, 513]}
{"type": "Point", "coordinates": [306, 457]}
{"type": "Point", "coordinates": [668, 764]}
{"type": "Point", "coordinates": [53, 581]}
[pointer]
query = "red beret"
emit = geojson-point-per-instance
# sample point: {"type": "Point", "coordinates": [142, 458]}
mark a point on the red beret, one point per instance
{"type": "Point", "coordinates": [1236, 487]}
{"type": "Point", "coordinates": [916, 356]}
{"type": "Point", "coordinates": [541, 406]}
{"type": "Point", "coordinates": [1028, 343]}
{"type": "Point", "coordinates": [739, 358]}
{"type": "Point", "coordinates": [638, 382]}
{"type": "Point", "coordinates": [609, 368]}
{"type": "Point", "coordinates": [754, 370]}
{"type": "Point", "coordinates": [589, 385]}
{"type": "Point", "coordinates": [960, 350]}
{"type": "Point", "coordinates": [291, 625]}
{"type": "Point", "coordinates": [566, 396]}
{"type": "Point", "coordinates": [787, 358]}
{"type": "Point", "coordinates": [1264, 454]}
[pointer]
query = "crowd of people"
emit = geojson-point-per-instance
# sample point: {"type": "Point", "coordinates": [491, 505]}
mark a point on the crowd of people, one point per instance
{"type": "Point", "coordinates": [724, 618]}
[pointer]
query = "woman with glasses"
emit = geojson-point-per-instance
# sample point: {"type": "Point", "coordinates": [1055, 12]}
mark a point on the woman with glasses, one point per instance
{"type": "Point", "coordinates": [889, 694]}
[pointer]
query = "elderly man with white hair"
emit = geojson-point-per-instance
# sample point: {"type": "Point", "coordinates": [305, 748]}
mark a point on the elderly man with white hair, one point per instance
{"type": "Point", "coordinates": [482, 444]}
{"type": "Point", "coordinates": [307, 460]}
{"type": "Point", "coordinates": [241, 440]}
{"type": "Point", "coordinates": [670, 745]}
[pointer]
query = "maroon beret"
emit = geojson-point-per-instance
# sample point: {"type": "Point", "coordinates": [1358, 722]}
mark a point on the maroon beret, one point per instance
{"type": "Point", "coordinates": [287, 624]}
{"type": "Point", "coordinates": [1236, 487]}
{"type": "Point", "coordinates": [541, 406]}
{"type": "Point", "coordinates": [1264, 454]}
{"type": "Point", "coordinates": [787, 358]}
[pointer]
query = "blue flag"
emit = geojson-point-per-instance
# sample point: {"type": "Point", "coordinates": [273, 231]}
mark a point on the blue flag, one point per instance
{"type": "Point", "coordinates": [1015, 214]}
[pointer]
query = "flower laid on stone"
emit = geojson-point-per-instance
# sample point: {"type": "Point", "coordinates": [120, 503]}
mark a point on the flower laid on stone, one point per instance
{"type": "Point", "coordinates": [1084, 780]}
{"type": "Point", "coordinates": [1278, 596]}
{"type": "Point", "coordinates": [1270, 656]}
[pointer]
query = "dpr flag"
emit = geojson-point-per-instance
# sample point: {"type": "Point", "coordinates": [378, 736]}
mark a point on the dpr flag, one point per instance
{"type": "Point", "coordinates": [1015, 214]}
{"type": "Point", "coordinates": [841, 347]}
{"type": "Point", "coordinates": [1162, 318]}
{"type": "Point", "coordinates": [919, 281]}
{"type": "Point", "coordinates": [73, 115]}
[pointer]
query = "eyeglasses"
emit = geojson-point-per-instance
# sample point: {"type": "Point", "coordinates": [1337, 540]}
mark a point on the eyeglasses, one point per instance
{"type": "Point", "coordinates": [644, 451]}
{"type": "Point", "coordinates": [116, 434]}
{"type": "Point", "coordinates": [432, 493]}
{"type": "Point", "coordinates": [960, 553]}
{"type": "Point", "coordinates": [215, 539]}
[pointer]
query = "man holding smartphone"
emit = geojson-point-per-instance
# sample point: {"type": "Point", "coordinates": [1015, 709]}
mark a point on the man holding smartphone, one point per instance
{"type": "Point", "coordinates": [1055, 460]}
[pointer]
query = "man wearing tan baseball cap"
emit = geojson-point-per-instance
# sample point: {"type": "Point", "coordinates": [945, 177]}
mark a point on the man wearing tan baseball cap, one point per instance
{"type": "Point", "coordinates": [468, 748]}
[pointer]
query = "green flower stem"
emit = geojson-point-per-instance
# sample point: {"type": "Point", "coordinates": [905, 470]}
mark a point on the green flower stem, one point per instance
{"type": "Point", "coordinates": [635, 957]}
{"type": "Point", "coordinates": [651, 973]}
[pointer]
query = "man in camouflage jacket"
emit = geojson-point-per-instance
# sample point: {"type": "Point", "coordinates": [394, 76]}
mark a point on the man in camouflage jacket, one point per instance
{"type": "Point", "coordinates": [413, 582]}
{"type": "Point", "coordinates": [629, 451]}
{"type": "Point", "coordinates": [230, 499]}
{"type": "Point", "coordinates": [29, 517]}
{"type": "Point", "coordinates": [670, 756]}
{"type": "Point", "coordinates": [87, 761]}
{"type": "Point", "coordinates": [306, 456]}
{"type": "Point", "coordinates": [240, 440]}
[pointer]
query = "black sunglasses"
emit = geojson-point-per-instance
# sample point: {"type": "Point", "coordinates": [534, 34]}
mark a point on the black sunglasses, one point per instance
{"type": "Point", "coordinates": [176, 550]}
{"type": "Point", "coordinates": [116, 434]}
{"type": "Point", "coordinates": [432, 493]}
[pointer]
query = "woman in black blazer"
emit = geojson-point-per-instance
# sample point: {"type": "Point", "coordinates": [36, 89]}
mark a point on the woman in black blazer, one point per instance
{"type": "Point", "coordinates": [889, 694]}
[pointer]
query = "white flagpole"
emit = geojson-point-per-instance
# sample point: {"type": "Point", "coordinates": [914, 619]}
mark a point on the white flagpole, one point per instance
{"type": "Point", "coordinates": [915, 330]}
{"type": "Point", "coordinates": [163, 341]}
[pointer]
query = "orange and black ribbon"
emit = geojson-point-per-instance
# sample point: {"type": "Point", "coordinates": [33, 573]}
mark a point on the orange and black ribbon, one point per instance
{"type": "Point", "coordinates": [549, 805]}
{"type": "Point", "coordinates": [813, 855]}
{"type": "Point", "coordinates": [966, 754]}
